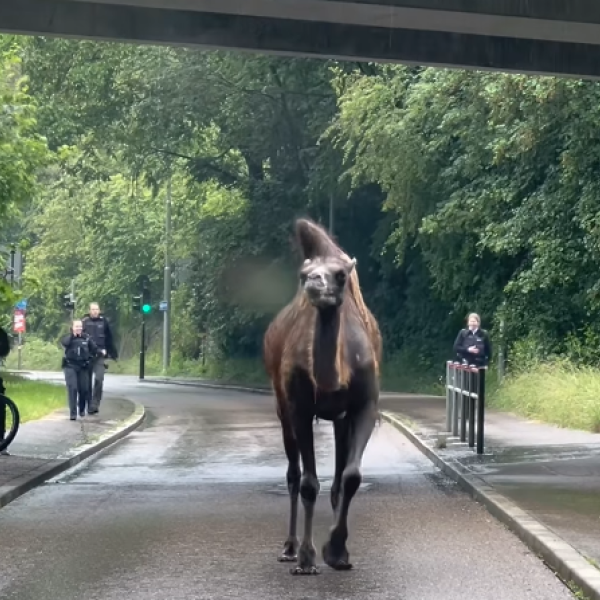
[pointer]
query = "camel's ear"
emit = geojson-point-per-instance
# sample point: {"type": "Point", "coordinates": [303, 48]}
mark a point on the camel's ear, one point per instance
{"type": "Point", "coordinates": [310, 238]}
{"type": "Point", "coordinates": [307, 262]}
{"type": "Point", "coordinates": [351, 265]}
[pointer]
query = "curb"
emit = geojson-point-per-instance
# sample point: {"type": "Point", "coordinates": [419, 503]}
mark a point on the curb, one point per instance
{"type": "Point", "coordinates": [560, 556]}
{"type": "Point", "coordinates": [202, 384]}
{"type": "Point", "coordinates": [75, 456]}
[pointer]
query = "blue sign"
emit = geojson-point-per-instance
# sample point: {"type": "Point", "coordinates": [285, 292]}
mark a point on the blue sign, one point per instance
{"type": "Point", "coordinates": [163, 305]}
{"type": "Point", "coordinates": [21, 305]}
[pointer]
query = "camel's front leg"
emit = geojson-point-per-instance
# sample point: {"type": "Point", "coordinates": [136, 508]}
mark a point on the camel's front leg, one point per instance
{"type": "Point", "coordinates": [290, 549]}
{"type": "Point", "coordinates": [309, 490]}
{"type": "Point", "coordinates": [335, 553]}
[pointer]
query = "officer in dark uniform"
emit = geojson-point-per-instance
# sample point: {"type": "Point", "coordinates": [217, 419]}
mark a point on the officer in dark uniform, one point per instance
{"type": "Point", "coordinates": [80, 350]}
{"type": "Point", "coordinates": [473, 344]}
{"type": "Point", "coordinates": [4, 352]}
{"type": "Point", "coordinates": [97, 327]}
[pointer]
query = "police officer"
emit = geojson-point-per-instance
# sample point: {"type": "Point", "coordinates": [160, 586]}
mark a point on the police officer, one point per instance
{"type": "Point", "coordinates": [80, 350]}
{"type": "Point", "coordinates": [473, 344]}
{"type": "Point", "coordinates": [4, 352]}
{"type": "Point", "coordinates": [97, 327]}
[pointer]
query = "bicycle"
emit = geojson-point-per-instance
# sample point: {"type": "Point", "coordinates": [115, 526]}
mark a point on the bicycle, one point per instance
{"type": "Point", "coordinates": [10, 419]}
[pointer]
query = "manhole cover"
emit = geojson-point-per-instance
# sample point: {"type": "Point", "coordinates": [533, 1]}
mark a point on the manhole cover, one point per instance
{"type": "Point", "coordinates": [282, 490]}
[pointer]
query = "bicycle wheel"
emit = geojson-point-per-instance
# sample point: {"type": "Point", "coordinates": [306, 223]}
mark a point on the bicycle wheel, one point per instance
{"type": "Point", "coordinates": [9, 421]}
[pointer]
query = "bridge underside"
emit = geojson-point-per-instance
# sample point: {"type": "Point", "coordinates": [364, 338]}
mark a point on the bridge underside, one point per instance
{"type": "Point", "coordinates": [559, 37]}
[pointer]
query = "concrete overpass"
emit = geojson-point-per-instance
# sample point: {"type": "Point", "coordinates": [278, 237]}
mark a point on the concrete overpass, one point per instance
{"type": "Point", "coordinates": [528, 36]}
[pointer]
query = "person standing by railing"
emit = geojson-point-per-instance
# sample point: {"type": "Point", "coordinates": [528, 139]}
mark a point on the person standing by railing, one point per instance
{"type": "Point", "coordinates": [472, 344]}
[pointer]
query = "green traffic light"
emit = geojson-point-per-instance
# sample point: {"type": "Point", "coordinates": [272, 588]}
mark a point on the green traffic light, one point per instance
{"type": "Point", "coordinates": [146, 308]}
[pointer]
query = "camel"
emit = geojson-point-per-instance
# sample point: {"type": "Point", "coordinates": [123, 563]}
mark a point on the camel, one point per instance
{"type": "Point", "coordinates": [322, 353]}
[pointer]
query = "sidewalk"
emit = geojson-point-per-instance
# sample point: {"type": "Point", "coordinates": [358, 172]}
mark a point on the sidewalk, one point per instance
{"type": "Point", "coordinates": [552, 473]}
{"type": "Point", "coordinates": [50, 445]}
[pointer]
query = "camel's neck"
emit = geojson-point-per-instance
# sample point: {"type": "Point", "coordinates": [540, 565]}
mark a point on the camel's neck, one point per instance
{"type": "Point", "coordinates": [325, 349]}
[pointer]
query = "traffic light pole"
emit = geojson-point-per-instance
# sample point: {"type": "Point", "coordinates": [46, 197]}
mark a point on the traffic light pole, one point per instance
{"type": "Point", "coordinates": [143, 348]}
{"type": "Point", "coordinates": [72, 299]}
{"type": "Point", "coordinates": [167, 282]}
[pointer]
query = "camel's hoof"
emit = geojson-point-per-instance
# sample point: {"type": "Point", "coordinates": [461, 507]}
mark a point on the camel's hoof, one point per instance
{"type": "Point", "coordinates": [310, 570]}
{"type": "Point", "coordinates": [336, 560]}
{"type": "Point", "coordinates": [285, 557]}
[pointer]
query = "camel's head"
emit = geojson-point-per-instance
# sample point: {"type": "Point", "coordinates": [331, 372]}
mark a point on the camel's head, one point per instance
{"type": "Point", "coordinates": [324, 280]}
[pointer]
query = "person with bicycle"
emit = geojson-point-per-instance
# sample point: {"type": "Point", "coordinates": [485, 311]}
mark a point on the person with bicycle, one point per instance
{"type": "Point", "coordinates": [80, 351]}
{"type": "Point", "coordinates": [4, 352]}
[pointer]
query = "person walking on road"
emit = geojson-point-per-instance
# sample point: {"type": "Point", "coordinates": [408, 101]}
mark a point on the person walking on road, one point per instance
{"type": "Point", "coordinates": [473, 343]}
{"type": "Point", "coordinates": [98, 328]}
{"type": "Point", "coordinates": [80, 350]}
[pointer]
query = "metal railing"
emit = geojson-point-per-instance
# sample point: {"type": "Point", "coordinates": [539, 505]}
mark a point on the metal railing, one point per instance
{"type": "Point", "coordinates": [465, 402]}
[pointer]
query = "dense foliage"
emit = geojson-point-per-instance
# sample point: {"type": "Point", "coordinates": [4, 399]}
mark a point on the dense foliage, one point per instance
{"type": "Point", "coordinates": [455, 190]}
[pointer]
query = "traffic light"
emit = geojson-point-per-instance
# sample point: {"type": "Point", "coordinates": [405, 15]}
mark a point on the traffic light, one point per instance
{"type": "Point", "coordinates": [136, 303]}
{"type": "Point", "coordinates": [68, 302]}
{"type": "Point", "coordinates": [146, 303]}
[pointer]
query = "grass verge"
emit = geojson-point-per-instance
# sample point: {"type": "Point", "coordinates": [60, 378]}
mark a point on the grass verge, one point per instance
{"type": "Point", "coordinates": [556, 392]}
{"type": "Point", "coordinates": [34, 399]}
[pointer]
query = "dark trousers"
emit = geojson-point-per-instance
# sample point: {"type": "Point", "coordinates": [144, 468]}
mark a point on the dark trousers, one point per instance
{"type": "Point", "coordinates": [78, 389]}
{"type": "Point", "coordinates": [2, 411]}
{"type": "Point", "coordinates": [2, 417]}
{"type": "Point", "coordinates": [97, 370]}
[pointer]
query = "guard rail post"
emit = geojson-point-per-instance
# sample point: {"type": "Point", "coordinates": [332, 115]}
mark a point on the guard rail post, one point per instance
{"type": "Point", "coordinates": [465, 399]}
{"type": "Point", "coordinates": [480, 409]}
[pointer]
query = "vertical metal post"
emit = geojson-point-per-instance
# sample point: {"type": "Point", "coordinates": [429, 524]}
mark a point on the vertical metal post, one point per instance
{"type": "Point", "coordinates": [448, 396]}
{"type": "Point", "coordinates": [501, 357]}
{"type": "Point", "coordinates": [19, 351]}
{"type": "Point", "coordinates": [480, 410]}
{"type": "Point", "coordinates": [12, 267]}
{"type": "Point", "coordinates": [72, 311]}
{"type": "Point", "coordinates": [20, 337]}
{"type": "Point", "coordinates": [464, 404]}
{"type": "Point", "coordinates": [167, 282]}
{"type": "Point", "coordinates": [143, 347]}
{"type": "Point", "coordinates": [473, 389]}
{"type": "Point", "coordinates": [455, 403]}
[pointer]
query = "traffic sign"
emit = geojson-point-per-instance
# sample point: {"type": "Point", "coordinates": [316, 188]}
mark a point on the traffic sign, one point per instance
{"type": "Point", "coordinates": [19, 321]}
{"type": "Point", "coordinates": [164, 305]}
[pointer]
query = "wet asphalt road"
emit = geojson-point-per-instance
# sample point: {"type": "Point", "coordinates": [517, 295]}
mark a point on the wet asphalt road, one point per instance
{"type": "Point", "coordinates": [194, 506]}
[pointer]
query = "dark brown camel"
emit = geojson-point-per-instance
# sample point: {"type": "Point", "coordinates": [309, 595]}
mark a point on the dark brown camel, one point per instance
{"type": "Point", "coordinates": [322, 353]}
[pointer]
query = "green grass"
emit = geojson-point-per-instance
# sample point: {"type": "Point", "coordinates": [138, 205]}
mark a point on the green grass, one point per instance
{"type": "Point", "coordinates": [34, 399]}
{"type": "Point", "coordinates": [556, 392]}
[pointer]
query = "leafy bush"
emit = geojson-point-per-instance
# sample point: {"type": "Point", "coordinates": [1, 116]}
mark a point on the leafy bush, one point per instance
{"type": "Point", "coordinates": [37, 355]}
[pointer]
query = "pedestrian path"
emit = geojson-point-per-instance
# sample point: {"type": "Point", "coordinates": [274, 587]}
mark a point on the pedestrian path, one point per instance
{"type": "Point", "coordinates": [552, 473]}
{"type": "Point", "coordinates": [41, 444]}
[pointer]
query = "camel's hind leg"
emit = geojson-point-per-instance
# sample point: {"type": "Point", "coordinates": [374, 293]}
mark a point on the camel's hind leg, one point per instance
{"type": "Point", "coordinates": [290, 548]}
{"type": "Point", "coordinates": [340, 430]}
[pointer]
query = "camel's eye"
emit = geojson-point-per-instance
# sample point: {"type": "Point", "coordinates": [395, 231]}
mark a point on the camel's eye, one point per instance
{"type": "Point", "coordinates": [340, 276]}
{"type": "Point", "coordinates": [303, 277]}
